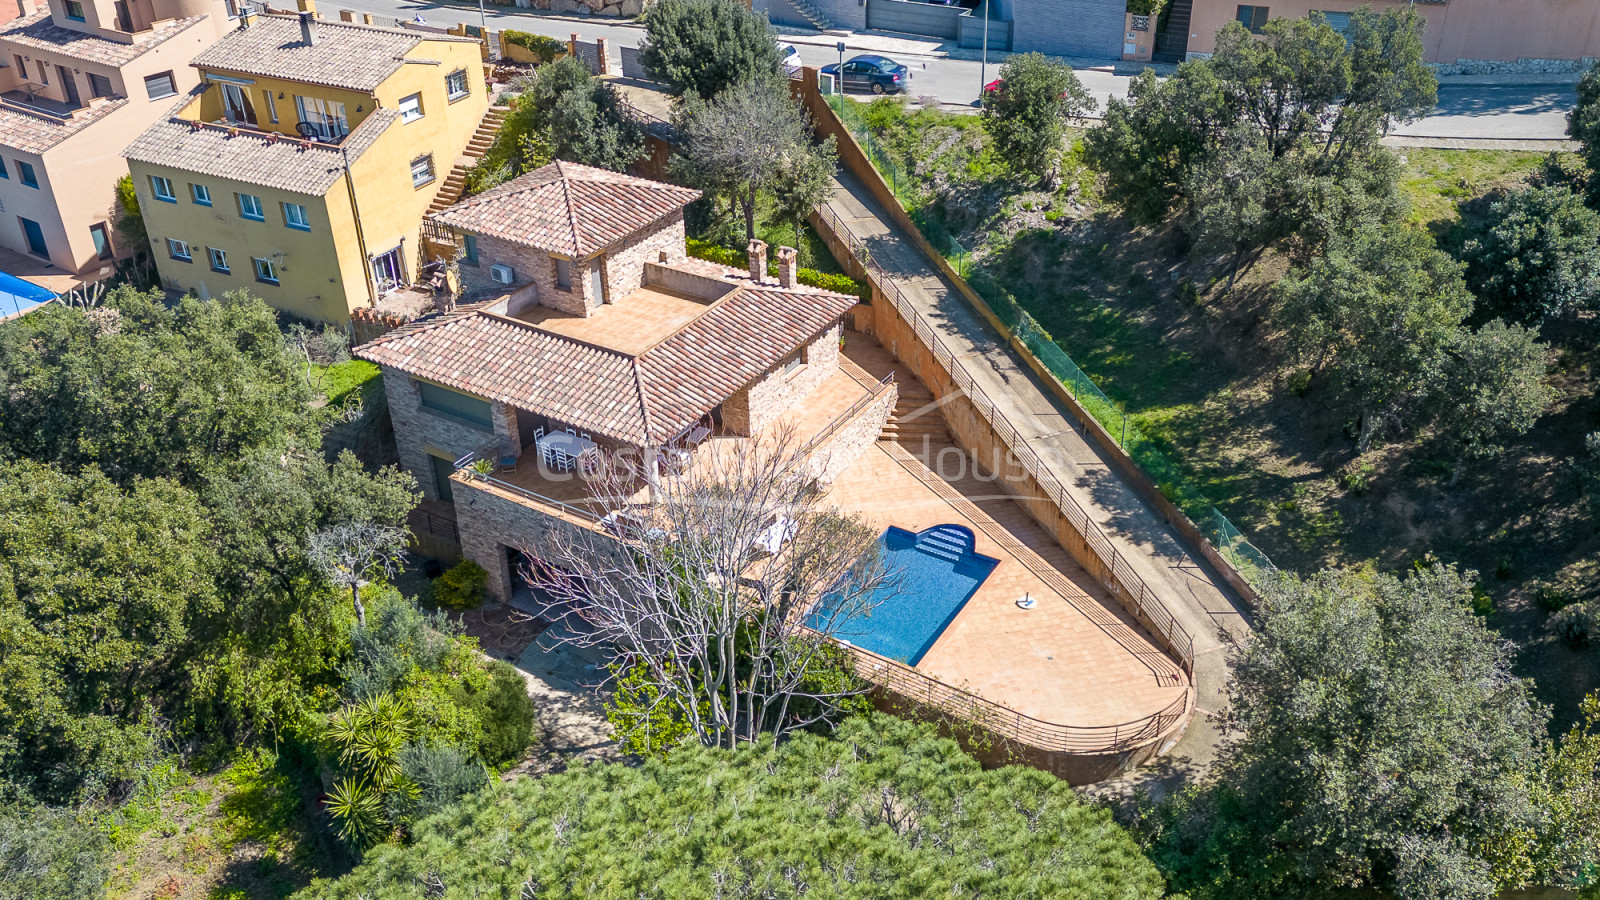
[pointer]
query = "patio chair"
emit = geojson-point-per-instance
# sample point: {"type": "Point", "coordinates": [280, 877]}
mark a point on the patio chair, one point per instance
{"type": "Point", "coordinates": [508, 462]}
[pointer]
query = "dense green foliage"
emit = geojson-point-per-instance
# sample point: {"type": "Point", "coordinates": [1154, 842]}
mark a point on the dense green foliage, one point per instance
{"type": "Point", "coordinates": [563, 112]}
{"type": "Point", "coordinates": [884, 809]}
{"type": "Point", "coordinates": [1539, 257]}
{"type": "Point", "coordinates": [51, 855]}
{"type": "Point", "coordinates": [1027, 115]}
{"type": "Point", "coordinates": [150, 391]}
{"type": "Point", "coordinates": [461, 586]}
{"type": "Point", "coordinates": [154, 579]}
{"type": "Point", "coordinates": [700, 48]}
{"type": "Point", "coordinates": [1273, 137]}
{"type": "Point", "coordinates": [1583, 124]}
{"type": "Point", "coordinates": [1381, 741]}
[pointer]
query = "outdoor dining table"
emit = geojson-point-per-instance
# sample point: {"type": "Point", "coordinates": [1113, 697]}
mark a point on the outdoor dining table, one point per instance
{"type": "Point", "coordinates": [558, 444]}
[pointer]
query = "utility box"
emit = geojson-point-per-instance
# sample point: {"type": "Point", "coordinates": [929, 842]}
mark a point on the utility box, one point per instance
{"type": "Point", "coordinates": [1138, 37]}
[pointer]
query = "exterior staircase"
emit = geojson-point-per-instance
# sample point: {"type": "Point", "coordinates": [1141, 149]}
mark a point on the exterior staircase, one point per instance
{"type": "Point", "coordinates": [1172, 44]}
{"type": "Point", "coordinates": [810, 13]}
{"type": "Point", "coordinates": [477, 146]}
{"type": "Point", "coordinates": [906, 426]}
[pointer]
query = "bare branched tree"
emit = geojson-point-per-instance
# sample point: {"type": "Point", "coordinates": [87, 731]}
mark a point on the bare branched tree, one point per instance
{"type": "Point", "coordinates": [353, 553]}
{"type": "Point", "coordinates": [720, 600]}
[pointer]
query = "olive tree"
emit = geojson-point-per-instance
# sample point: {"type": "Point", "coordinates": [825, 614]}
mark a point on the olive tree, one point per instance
{"type": "Point", "coordinates": [750, 142]}
{"type": "Point", "coordinates": [719, 599]}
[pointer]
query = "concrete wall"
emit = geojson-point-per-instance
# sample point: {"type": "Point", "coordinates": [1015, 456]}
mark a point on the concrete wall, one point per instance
{"type": "Point", "coordinates": [77, 177]}
{"type": "Point", "coordinates": [914, 17]}
{"type": "Point", "coordinates": [1488, 30]}
{"type": "Point", "coordinates": [851, 14]}
{"type": "Point", "coordinates": [758, 403]}
{"type": "Point", "coordinates": [1090, 28]}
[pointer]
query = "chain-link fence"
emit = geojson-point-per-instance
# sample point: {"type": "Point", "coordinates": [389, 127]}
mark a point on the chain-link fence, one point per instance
{"type": "Point", "coordinates": [1249, 560]}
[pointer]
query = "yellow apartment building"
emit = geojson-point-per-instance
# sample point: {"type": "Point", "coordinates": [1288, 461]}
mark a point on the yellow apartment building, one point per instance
{"type": "Point", "coordinates": [79, 79]}
{"type": "Point", "coordinates": [302, 164]}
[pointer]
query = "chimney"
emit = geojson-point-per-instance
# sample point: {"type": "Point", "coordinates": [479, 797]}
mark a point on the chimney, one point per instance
{"type": "Point", "coordinates": [308, 29]}
{"type": "Point", "coordinates": [758, 260]}
{"type": "Point", "coordinates": [247, 17]}
{"type": "Point", "coordinates": [307, 6]}
{"type": "Point", "coordinates": [788, 266]}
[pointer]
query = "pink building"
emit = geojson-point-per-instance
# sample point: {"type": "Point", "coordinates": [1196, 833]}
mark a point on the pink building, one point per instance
{"type": "Point", "coordinates": [1462, 36]}
{"type": "Point", "coordinates": [79, 80]}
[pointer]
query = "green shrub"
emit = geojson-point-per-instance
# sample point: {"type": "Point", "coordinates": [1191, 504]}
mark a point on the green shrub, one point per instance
{"type": "Point", "coordinates": [1146, 7]}
{"type": "Point", "coordinates": [542, 46]}
{"type": "Point", "coordinates": [727, 256]}
{"type": "Point", "coordinates": [1551, 597]}
{"type": "Point", "coordinates": [51, 854]}
{"type": "Point", "coordinates": [461, 587]}
{"type": "Point", "coordinates": [507, 714]}
{"type": "Point", "coordinates": [1577, 624]}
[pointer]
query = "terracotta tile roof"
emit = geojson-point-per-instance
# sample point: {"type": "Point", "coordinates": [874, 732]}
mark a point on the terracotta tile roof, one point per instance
{"type": "Point", "coordinates": [37, 31]}
{"type": "Point", "coordinates": [37, 132]}
{"type": "Point", "coordinates": [568, 209]}
{"type": "Point", "coordinates": [346, 55]}
{"type": "Point", "coordinates": [253, 157]}
{"type": "Point", "coordinates": [644, 400]}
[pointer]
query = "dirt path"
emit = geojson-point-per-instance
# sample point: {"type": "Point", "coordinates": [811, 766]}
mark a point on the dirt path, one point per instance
{"type": "Point", "coordinates": [1199, 600]}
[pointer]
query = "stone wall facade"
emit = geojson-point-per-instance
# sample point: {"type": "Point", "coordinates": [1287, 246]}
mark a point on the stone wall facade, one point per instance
{"type": "Point", "coordinates": [624, 263]}
{"type": "Point", "coordinates": [421, 433]}
{"type": "Point", "coordinates": [854, 438]}
{"type": "Point", "coordinates": [534, 271]}
{"type": "Point", "coordinates": [758, 403]}
{"type": "Point", "coordinates": [489, 522]}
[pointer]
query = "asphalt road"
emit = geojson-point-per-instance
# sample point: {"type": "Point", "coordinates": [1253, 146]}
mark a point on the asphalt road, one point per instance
{"type": "Point", "coordinates": [1528, 112]}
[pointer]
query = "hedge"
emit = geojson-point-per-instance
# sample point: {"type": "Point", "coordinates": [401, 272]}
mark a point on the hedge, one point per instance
{"type": "Point", "coordinates": [727, 256]}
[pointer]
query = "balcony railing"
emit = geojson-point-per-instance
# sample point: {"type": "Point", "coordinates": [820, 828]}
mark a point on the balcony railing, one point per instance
{"type": "Point", "coordinates": [468, 467]}
{"type": "Point", "coordinates": [849, 415]}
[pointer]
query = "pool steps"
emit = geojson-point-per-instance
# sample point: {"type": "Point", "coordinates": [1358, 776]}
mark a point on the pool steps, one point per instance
{"type": "Point", "coordinates": [950, 542]}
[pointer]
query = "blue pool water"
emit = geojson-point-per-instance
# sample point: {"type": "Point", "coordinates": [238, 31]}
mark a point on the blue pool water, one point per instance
{"type": "Point", "coordinates": [931, 575]}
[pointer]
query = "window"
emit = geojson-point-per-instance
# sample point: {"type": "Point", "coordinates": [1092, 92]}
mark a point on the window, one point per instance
{"type": "Point", "coordinates": [323, 118]}
{"type": "Point", "coordinates": [564, 274]}
{"type": "Point", "coordinates": [22, 67]}
{"type": "Point", "coordinates": [1339, 21]}
{"type": "Point", "coordinates": [124, 15]}
{"type": "Point", "coordinates": [465, 407]}
{"type": "Point", "coordinates": [158, 86]}
{"type": "Point", "coordinates": [469, 248]}
{"type": "Point", "coordinates": [266, 271]}
{"type": "Point", "coordinates": [44, 74]}
{"type": "Point", "coordinates": [237, 106]}
{"type": "Point", "coordinates": [102, 241]}
{"type": "Point", "coordinates": [99, 85]}
{"type": "Point", "coordinates": [794, 362]}
{"type": "Point", "coordinates": [179, 250]}
{"type": "Point", "coordinates": [201, 194]}
{"type": "Point", "coordinates": [26, 175]}
{"type": "Point", "coordinates": [1253, 17]}
{"type": "Point", "coordinates": [442, 470]}
{"type": "Point", "coordinates": [411, 108]}
{"type": "Point", "coordinates": [161, 189]}
{"type": "Point", "coordinates": [294, 216]}
{"type": "Point", "coordinates": [75, 10]}
{"type": "Point", "coordinates": [272, 108]}
{"type": "Point", "coordinates": [250, 207]}
{"type": "Point", "coordinates": [219, 260]}
{"type": "Point", "coordinates": [4, 175]}
{"type": "Point", "coordinates": [421, 170]}
{"type": "Point", "coordinates": [456, 84]}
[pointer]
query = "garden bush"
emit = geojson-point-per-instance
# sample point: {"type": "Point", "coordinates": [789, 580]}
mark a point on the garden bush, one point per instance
{"type": "Point", "coordinates": [461, 587]}
{"type": "Point", "coordinates": [544, 48]}
{"type": "Point", "coordinates": [507, 714]}
{"type": "Point", "coordinates": [1577, 624]}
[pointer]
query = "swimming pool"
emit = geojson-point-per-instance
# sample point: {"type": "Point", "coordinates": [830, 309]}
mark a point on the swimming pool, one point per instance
{"type": "Point", "coordinates": [931, 575]}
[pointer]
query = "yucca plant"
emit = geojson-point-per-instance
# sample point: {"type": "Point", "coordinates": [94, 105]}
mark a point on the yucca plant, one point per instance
{"type": "Point", "coordinates": [357, 807]}
{"type": "Point", "coordinates": [368, 736]}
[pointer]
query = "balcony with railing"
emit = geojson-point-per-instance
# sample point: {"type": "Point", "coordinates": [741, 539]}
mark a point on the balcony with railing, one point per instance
{"type": "Point", "coordinates": [587, 491]}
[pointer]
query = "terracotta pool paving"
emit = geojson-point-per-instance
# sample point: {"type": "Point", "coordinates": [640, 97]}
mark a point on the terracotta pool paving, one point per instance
{"type": "Point", "coordinates": [1075, 658]}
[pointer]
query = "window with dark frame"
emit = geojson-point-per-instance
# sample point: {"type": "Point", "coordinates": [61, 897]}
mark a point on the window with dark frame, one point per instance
{"type": "Point", "coordinates": [160, 86]}
{"type": "Point", "coordinates": [467, 408]}
{"type": "Point", "coordinates": [26, 175]}
{"type": "Point", "coordinates": [101, 235]}
{"type": "Point", "coordinates": [99, 86]}
{"type": "Point", "coordinates": [1253, 18]}
{"type": "Point", "coordinates": [75, 10]}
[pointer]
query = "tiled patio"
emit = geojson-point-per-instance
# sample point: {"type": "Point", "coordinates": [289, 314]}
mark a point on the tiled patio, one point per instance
{"type": "Point", "coordinates": [1074, 659]}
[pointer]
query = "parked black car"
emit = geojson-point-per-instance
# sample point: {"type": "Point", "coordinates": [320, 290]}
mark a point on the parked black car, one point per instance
{"type": "Point", "coordinates": [869, 72]}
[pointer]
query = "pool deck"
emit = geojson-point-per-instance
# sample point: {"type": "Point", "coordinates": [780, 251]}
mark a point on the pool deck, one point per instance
{"type": "Point", "coordinates": [1076, 658]}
